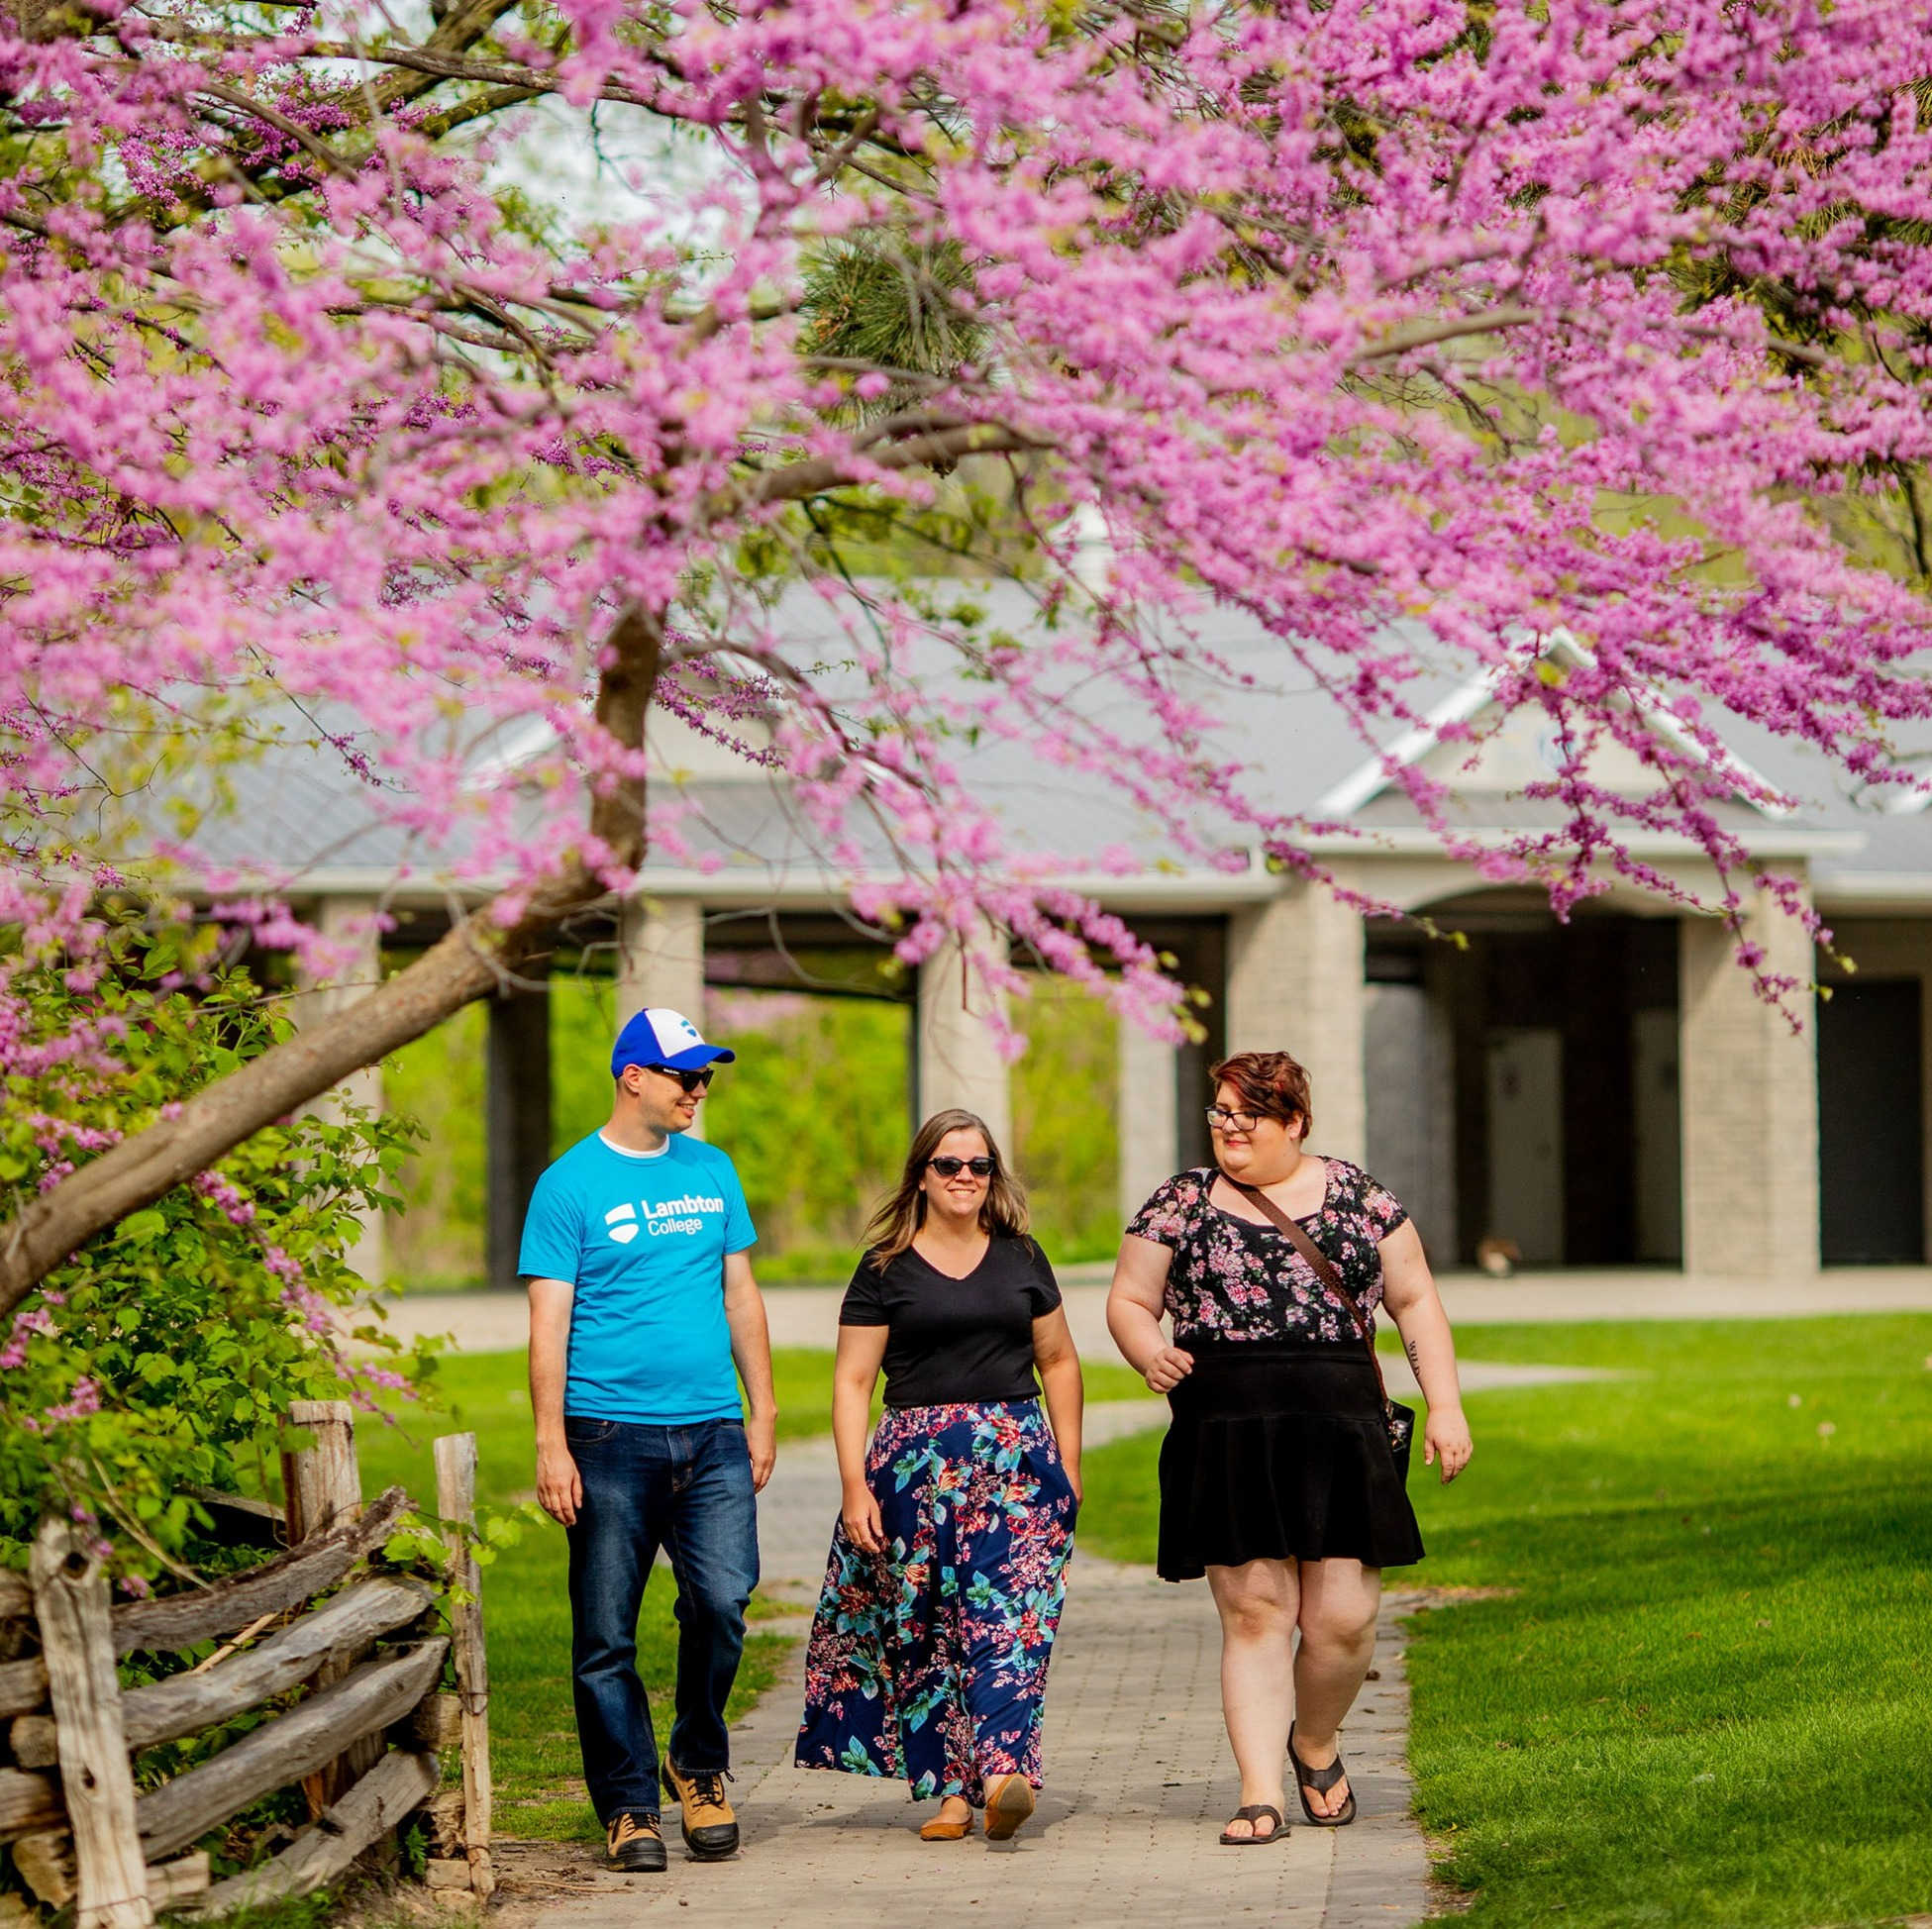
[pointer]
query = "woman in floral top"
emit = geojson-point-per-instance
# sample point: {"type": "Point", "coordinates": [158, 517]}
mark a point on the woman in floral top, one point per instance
{"type": "Point", "coordinates": [1234, 1280]}
{"type": "Point", "coordinates": [1278, 1479]}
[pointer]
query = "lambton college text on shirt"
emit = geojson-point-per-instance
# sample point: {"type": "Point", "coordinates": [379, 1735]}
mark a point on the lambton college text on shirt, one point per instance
{"type": "Point", "coordinates": [666, 1216]}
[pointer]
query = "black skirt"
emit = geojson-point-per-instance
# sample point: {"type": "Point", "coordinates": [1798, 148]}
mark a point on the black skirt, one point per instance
{"type": "Point", "coordinates": [1279, 1451]}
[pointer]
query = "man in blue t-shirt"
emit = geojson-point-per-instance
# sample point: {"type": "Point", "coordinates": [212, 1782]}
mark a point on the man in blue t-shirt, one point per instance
{"type": "Point", "coordinates": [641, 1299]}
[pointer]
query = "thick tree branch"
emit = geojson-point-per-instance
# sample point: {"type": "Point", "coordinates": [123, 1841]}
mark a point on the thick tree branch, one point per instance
{"type": "Point", "coordinates": [142, 1167]}
{"type": "Point", "coordinates": [473, 961]}
{"type": "Point", "coordinates": [1423, 335]}
{"type": "Point", "coordinates": [797, 480]}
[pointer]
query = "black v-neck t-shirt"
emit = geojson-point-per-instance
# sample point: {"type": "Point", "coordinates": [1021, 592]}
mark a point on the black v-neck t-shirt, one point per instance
{"type": "Point", "coordinates": [956, 1342]}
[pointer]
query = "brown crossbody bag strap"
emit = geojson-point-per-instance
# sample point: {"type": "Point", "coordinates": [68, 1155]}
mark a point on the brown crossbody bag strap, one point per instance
{"type": "Point", "coordinates": [1324, 1268]}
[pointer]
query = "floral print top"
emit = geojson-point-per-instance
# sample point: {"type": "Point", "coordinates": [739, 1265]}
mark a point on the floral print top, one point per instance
{"type": "Point", "coordinates": [1234, 1280]}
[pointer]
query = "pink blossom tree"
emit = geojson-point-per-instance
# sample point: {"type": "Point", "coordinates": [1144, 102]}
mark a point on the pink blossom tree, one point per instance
{"type": "Point", "coordinates": [1369, 321]}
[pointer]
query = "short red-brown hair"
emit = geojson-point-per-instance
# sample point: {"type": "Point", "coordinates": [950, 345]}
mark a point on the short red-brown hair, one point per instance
{"type": "Point", "coordinates": [1271, 1085]}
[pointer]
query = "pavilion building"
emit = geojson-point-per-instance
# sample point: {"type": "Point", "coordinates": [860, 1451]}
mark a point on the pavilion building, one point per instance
{"type": "Point", "coordinates": [1604, 1091]}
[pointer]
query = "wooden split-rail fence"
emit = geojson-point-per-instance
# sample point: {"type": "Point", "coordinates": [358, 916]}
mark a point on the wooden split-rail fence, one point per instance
{"type": "Point", "coordinates": [364, 1742]}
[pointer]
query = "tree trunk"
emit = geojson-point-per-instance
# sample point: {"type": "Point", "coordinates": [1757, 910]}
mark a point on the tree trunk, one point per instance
{"type": "Point", "coordinates": [139, 1170]}
{"type": "Point", "coordinates": [473, 960]}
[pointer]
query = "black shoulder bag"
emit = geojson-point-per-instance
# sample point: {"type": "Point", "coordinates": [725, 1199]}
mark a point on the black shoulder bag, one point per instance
{"type": "Point", "coordinates": [1400, 1420]}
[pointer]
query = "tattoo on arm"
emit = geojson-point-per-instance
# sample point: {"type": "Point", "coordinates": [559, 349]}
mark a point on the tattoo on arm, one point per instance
{"type": "Point", "coordinates": [1415, 1358]}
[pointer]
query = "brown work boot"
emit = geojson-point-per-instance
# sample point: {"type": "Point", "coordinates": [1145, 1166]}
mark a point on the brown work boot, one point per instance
{"type": "Point", "coordinates": [710, 1827]}
{"type": "Point", "coordinates": [635, 1844]}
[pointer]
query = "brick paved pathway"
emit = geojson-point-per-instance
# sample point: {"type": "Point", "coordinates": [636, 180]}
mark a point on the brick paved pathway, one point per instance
{"type": "Point", "coordinates": [1139, 1779]}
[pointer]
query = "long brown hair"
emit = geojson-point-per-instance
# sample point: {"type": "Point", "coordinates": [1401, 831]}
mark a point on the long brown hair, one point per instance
{"type": "Point", "coordinates": [901, 1213]}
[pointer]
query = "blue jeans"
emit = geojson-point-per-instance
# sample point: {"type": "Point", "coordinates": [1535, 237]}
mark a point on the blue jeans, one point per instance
{"type": "Point", "coordinates": [688, 1491]}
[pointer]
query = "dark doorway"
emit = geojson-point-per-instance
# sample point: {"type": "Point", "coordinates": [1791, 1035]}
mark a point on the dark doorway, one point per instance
{"type": "Point", "coordinates": [1870, 1135]}
{"type": "Point", "coordinates": [1198, 949]}
{"type": "Point", "coordinates": [1547, 1081]}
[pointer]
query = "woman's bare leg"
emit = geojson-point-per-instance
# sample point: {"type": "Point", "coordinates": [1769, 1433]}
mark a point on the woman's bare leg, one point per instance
{"type": "Point", "coordinates": [1338, 1603]}
{"type": "Point", "coordinates": [1258, 1602]}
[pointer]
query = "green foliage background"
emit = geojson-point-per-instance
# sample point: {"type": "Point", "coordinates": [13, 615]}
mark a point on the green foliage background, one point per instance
{"type": "Point", "coordinates": [164, 1354]}
{"type": "Point", "coordinates": [815, 1114]}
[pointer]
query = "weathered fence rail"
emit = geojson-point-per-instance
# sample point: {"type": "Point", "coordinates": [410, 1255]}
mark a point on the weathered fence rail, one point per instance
{"type": "Point", "coordinates": [363, 1741]}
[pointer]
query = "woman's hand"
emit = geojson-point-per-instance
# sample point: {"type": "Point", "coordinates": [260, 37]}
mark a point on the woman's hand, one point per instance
{"type": "Point", "coordinates": [864, 1528]}
{"type": "Point", "coordinates": [1446, 1434]}
{"type": "Point", "coordinates": [1072, 1468]}
{"type": "Point", "coordinates": [1168, 1368]}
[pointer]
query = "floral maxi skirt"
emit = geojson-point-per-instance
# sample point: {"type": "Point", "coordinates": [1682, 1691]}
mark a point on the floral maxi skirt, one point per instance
{"type": "Point", "coordinates": [930, 1661]}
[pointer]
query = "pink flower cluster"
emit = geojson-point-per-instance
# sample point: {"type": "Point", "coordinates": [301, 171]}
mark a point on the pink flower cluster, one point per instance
{"type": "Point", "coordinates": [34, 1319]}
{"type": "Point", "coordinates": [1411, 345]}
{"type": "Point", "coordinates": [83, 1400]}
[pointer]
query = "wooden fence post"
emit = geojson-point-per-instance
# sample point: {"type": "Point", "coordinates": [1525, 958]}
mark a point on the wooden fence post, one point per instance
{"type": "Point", "coordinates": [456, 1503]}
{"type": "Point", "coordinates": [70, 1602]}
{"type": "Point", "coordinates": [322, 1484]}
{"type": "Point", "coordinates": [322, 1491]}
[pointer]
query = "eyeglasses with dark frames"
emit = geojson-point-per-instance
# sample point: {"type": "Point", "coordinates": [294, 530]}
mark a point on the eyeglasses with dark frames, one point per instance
{"type": "Point", "coordinates": [946, 1166]}
{"type": "Point", "coordinates": [693, 1082]}
{"type": "Point", "coordinates": [1220, 1119]}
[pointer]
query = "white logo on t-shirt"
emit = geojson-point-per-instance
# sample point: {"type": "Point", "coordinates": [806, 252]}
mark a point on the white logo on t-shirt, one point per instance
{"type": "Point", "coordinates": [668, 1216]}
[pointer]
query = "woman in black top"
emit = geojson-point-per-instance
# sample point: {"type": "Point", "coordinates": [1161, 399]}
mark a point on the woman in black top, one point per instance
{"type": "Point", "coordinates": [928, 1657]}
{"type": "Point", "coordinates": [1279, 1478]}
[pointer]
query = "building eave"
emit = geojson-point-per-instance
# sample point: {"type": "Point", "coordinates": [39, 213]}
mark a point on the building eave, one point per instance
{"type": "Point", "coordinates": [1772, 840]}
{"type": "Point", "coordinates": [1870, 893]}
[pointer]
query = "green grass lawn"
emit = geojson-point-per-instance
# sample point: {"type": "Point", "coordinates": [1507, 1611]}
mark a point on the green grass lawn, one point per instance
{"type": "Point", "coordinates": [526, 1613]}
{"type": "Point", "coordinates": [1707, 1699]}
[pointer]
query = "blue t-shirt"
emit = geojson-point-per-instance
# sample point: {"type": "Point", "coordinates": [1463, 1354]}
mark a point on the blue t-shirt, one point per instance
{"type": "Point", "coordinates": [642, 1237]}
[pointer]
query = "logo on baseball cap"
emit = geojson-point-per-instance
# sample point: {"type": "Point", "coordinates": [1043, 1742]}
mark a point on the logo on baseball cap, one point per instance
{"type": "Point", "coordinates": [661, 1036]}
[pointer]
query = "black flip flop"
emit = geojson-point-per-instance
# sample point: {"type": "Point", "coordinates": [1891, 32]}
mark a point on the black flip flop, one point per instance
{"type": "Point", "coordinates": [1321, 1781]}
{"type": "Point", "coordinates": [1251, 1815]}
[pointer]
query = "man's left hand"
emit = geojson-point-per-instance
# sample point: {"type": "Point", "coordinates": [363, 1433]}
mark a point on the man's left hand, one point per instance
{"type": "Point", "coordinates": [761, 1437]}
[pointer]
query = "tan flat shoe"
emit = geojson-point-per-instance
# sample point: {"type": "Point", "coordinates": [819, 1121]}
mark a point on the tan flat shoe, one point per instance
{"type": "Point", "coordinates": [940, 1830]}
{"type": "Point", "coordinates": [1009, 1802]}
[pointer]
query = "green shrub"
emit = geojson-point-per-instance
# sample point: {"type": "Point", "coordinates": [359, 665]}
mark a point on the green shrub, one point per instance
{"type": "Point", "coordinates": [164, 1354]}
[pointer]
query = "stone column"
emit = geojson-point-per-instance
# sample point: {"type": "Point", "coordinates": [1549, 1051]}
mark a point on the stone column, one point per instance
{"type": "Point", "coordinates": [661, 962]}
{"type": "Point", "coordinates": [1750, 1095]}
{"type": "Point", "coordinates": [517, 1118]}
{"type": "Point", "coordinates": [350, 920]}
{"type": "Point", "coordinates": [1295, 985]}
{"type": "Point", "coordinates": [1148, 1120]}
{"type": "Point", "coordinates": [958, 1056]}
{"type": "Point", "coordinates": [661, 958]}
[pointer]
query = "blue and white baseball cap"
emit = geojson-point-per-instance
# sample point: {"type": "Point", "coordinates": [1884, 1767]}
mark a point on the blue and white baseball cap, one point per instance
{"type": "Point", "coordinates": [659, 1036]}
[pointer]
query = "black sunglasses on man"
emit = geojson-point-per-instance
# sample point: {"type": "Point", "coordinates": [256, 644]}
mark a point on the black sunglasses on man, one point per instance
{"type": "Point", "coordinates": [693, 1082]}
